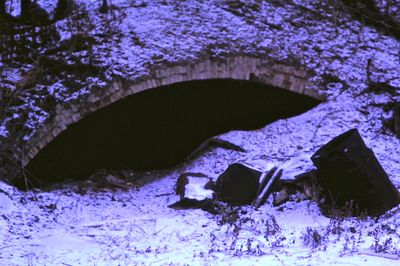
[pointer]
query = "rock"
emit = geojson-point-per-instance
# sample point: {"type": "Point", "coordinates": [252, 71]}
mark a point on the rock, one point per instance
{"type": "Point", "coordinates": [281, 196]}
{"type": "Point", "coordinates": [194, 186]}
{"type": "Point", "coordinates": [302, 187]}
{"type": "Point", "coordinates": [351, 177]}
{"type": "Point", "coordinates": [195, 191]}
{"type": "Point", "coordinates": [238, 185]}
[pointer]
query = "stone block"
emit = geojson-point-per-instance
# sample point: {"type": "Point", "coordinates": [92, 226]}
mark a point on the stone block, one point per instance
{"type": "Point", "coordinates": [283, 69]}
{"type": "Point", "coordinates": [75, 117]}
{"type": "Point", "coordinates": [115, 86]}
{"type": "Point", "coordinates": [278, 79]}
{"type": "Point", "coordinates": [180, 70]}
{"type": "Point", "coordinates": [351, 177]}
{"type": "Point", "coordinates": [297, 85]}
{"type": "Point", "coordinates": [300, 73]}
{"type": "Point", "coordinates": [161, 73]}
{"type": "Point", "coordinates": [93, 98]}
{"type": "Point", "coordinates": [238, 185]}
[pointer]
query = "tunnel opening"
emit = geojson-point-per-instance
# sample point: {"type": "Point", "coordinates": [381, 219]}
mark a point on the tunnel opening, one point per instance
{"type": "Point", "coordinates": [158, 128]}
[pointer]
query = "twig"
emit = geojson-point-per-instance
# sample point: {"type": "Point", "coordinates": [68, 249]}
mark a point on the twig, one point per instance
{"type": "Point", "coordinates": [213, 143]}
{"type": "Point", "coordinates": [156, 233]}
{"type": "Point", "coordinates": [381, 255]}
{"type": "Point", "coordinates": [111, 222]}
{"type": "Point", "coordinates": [164, 194]}
{"type": "Point", "coordinates": [318, 126]}
{"type": "Point", "coordinates": [7, 246]}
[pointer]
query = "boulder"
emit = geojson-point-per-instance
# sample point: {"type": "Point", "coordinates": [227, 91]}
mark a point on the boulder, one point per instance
{"type": "Point", "coordinates": [238, 184]}
{"type": "Point", "coordinates": [351, 178]}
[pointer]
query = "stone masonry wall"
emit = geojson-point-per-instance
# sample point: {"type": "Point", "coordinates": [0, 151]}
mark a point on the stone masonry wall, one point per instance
{"type": "Point", "coordinates": [262, 70]}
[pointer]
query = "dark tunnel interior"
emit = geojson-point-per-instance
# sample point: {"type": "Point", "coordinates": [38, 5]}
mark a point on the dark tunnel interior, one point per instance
{"type": "Point", "coordinates": [158, 128]}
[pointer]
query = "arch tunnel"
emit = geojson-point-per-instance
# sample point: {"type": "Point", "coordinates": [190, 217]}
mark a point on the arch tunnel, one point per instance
{"type": "Point", "coordinates": [158, 128]}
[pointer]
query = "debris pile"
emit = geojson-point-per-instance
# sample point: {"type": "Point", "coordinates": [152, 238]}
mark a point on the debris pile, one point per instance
{"type": "Point", "coordinates": [346, 176]}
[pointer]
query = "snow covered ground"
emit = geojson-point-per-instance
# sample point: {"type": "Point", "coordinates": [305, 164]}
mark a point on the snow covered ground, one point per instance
{"type": "Point", "coordinates": [94, 223]}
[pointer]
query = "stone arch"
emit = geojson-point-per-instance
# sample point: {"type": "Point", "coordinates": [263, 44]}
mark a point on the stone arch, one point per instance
{"type": "Point", "coordinates": [292, 78]}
